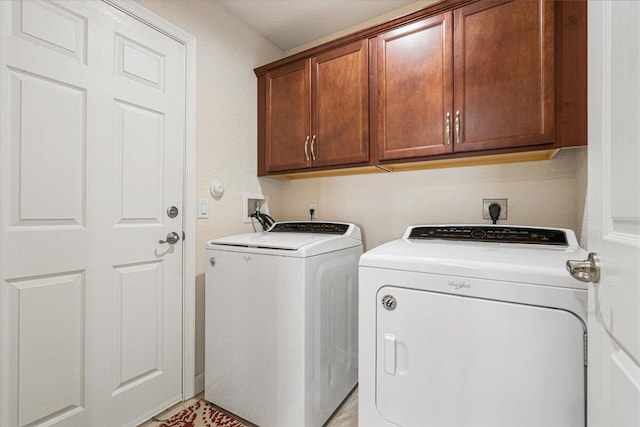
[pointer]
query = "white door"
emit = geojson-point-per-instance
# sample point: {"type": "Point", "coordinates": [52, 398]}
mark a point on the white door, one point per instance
{"type": "Point", "coordinates": [614, 213]}
{"type": "Point", "coordinates": [92, 108]}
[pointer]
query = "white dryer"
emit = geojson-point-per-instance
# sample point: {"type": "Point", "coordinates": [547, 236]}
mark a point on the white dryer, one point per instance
{"type": "Point", "coordinates": [281, 322]}
{"type": "Point", "coordinates": [472, 326]}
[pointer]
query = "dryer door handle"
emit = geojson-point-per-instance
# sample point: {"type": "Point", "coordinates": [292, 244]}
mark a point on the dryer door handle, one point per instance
{"type": "Point", "coordinates": [390, 354]}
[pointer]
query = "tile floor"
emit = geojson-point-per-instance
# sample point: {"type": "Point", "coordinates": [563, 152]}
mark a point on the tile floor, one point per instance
{"type": "Point", "coordinates": [345, 416]}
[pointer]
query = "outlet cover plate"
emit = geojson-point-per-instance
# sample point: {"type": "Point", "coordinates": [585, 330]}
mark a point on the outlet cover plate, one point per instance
{"type": "Point", "coordinates": [249, 205]}
{"type": "Point", "coordinates": [485, 208]}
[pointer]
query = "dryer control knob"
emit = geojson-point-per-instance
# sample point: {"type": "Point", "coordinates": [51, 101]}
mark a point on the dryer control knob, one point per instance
{"type": "Point", "coordinates": [212, 261]}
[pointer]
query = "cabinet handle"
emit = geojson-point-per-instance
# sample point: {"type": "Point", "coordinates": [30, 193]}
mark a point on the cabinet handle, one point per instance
{"type": "Point", "coordinates": [447, 128]}
{"type": "Point", "coordinates": [306, 153]}
{"type": "Point", "coordinates": [457, 127]}
{"type": "Point", "coordinates": [313, 154]}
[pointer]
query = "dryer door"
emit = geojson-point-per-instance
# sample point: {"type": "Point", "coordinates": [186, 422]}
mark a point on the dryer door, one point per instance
{"type": "Point", "coordinates": [449, 361]}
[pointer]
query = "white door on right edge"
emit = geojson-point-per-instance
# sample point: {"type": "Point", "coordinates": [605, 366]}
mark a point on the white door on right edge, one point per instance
{"type": "Point", "coordinates": [614, 213]}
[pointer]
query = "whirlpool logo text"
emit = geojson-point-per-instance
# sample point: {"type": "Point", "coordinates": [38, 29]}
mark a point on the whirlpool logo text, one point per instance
{"type": "Point", "coordinates": [459, 284]}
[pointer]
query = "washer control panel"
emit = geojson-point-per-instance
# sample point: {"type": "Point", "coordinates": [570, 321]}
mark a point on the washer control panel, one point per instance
{"type": "Point", "coordinates": [310, 227]}
{"type": "Point", "coordinates": [532, 236]}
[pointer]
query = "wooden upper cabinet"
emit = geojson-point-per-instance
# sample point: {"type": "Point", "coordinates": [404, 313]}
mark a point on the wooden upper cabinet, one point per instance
{"type": "Point", "coordinates": [317, 111]}
{"type": "Point", "coordinates": [459, 78]}
{"type": "Point", "coordinates": [504, 74]}
{"type": "Point", "coordinates": [288, 103]}
{"type": "Point", "coordinates": [414, 89]}
{"type": "Point", "coordinates": [340, 84]}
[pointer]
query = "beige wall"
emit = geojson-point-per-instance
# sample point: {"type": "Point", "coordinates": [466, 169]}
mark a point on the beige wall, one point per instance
{"type": "Point", "coordinates": [543, 193]}
{"type": "Point", "coordinates": [396, 13]}
{"type": "Point", "coordinates": [227, 52]}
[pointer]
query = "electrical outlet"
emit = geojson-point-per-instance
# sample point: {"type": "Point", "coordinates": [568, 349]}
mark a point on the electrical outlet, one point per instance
{"type": "Point", "coordinates": [485, 208]}
{"type": "Point", "coordinates": [313, 206]}
{"type": "Point", "coordinates": [250, 202]}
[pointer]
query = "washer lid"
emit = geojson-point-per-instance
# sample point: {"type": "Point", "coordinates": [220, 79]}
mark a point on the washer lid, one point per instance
{"type": "Point", "coordinates": [515, 262]}
{"type": "Point", "coordinates": [295, 239]}
{"type": "Point", "coordinates": [266, 240]}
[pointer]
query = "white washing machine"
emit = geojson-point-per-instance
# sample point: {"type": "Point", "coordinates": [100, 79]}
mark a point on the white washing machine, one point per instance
{"type": "Point", "coordinates": [473, 326]}
{"type": "Point", "coordinates": [281, 346]}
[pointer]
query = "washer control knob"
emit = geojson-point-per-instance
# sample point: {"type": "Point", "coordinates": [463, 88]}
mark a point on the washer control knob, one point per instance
{"type": "Point", "coordinates": [478, 234]}
{"type": "Point", "coordinates": [389, 302]}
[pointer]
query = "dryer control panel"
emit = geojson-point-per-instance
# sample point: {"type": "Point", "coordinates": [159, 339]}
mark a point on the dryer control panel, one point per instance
{"type": "Point", "coordinates": [496, 234]}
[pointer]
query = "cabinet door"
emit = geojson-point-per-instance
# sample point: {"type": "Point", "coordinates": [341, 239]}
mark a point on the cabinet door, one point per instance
{"type": "Point", "coordinates": [287, 116]}
{"type": "Point", "coordinates": [340, 106]}
{"type": "Point", "coordinates": [503, 66]}
{"type": "Point", "coordinates": [414, 89]}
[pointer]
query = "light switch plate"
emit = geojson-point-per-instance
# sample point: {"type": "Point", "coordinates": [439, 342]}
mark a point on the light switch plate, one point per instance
{"type": "Point", "coordinates": [203, 208]}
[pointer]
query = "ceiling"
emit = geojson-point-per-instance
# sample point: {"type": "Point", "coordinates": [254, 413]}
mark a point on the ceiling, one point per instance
{"type": "Point", "coordinates": [292, 23]}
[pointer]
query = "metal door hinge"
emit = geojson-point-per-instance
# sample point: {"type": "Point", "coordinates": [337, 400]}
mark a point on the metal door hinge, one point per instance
{"type": "Point", "coordinates": [585, 348]}
{"type": "Point", "coordinates": [184, 236]}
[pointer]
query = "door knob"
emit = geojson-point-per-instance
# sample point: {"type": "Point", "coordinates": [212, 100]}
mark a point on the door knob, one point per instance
{"type": "Point", "coordinates": [587, 270]}
{"type": "Point", "coordinates": [172, 238]}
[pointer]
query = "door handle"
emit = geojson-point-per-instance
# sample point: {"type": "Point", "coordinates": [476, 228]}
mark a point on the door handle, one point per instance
{"type": "Point", "coordinates": [390, 354]}
{"type": "Point", "coordinates": [587, 270]}
{"type": "Point", "coordinates": [172, 238]}
{"type": "Point", "coordinates": [313, 154]}
{"type": "Point", "coordinates": [457, 125]}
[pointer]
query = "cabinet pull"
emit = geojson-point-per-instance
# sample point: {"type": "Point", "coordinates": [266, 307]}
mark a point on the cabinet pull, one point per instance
{"type": "Point", "coordinates": [306, 153]}
{"type": "Point", "coordinates": [313, 154]}
{"type": "Point", "coordinates": [457, 127]}
{"type": "Point", "coordinates": [447, 128]}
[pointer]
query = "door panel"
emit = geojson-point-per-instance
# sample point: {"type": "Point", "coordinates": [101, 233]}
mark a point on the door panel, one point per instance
{"type": "Point", "coordinates": [288, 117]}
{"type": "Point", "coordinates": [504, 87]}
{"type": "Point", "coordinates": [91, 154]}
{"type": "Point", "coordinates": [625, 393]}
{"type": "Point", "coordinates": [47, 327]}
{"type": "Point", "coordinates": [340, 106]}
{"type": "Point", "coordinates": [47, 192]}
{"type": "Point", "coordinates": [137, 322]}
{"type": "Point", "coordinates": [614, 212]}
{"type": "Point", "coordinates": [52, 26]}
{"type": "Point", "coordinates": [449, 361]}
{"type": "Point", "coordinates": [140, 63]}
{"type": "Point", "coordinates": [414, 92]}
{"type": "Point", "coordinates": [139, 164]}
